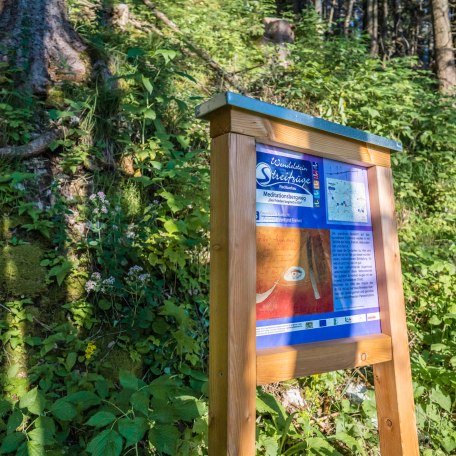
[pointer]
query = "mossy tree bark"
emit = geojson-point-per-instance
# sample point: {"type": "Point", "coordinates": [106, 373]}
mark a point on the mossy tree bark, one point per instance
{"type": "Point", "coordinates": [39, 44]}
{"type": "Point", "coordinates": [37, 39]}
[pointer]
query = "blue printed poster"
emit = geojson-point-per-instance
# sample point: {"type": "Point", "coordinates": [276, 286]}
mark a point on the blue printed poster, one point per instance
{"type": "Point", "coordinates": [316, 277]}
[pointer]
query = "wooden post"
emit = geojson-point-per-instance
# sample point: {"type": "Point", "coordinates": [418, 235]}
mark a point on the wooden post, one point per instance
{"type": "Point", "coordinates": [393, 379]}
{"type": "Point", "coordinates": [232, 347]}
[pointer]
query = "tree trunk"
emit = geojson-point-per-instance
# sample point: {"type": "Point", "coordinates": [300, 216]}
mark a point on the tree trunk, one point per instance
{"type": "Point", "coordinates": [400, 43]}
{"type": "Point", "coordinates": [385, 31]}
{"type": "Point", "coordinates": [318, 7]}
{"type": "Point", "coordinates": [372, 25]}
{"type": "Point", "coordinates": [348, 15]}
{"type": "Point", "coordinates": [443, 44]}
{"type": "Point", "coordinates": [37, 38]}
{"type": "Point", "coordinates": [374, 37]}
{"type": "Point", "coordinates": [331, 14]}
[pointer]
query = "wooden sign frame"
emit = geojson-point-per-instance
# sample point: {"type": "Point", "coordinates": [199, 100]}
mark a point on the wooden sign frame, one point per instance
{"type": "Point", "coordinates": [236, 367]}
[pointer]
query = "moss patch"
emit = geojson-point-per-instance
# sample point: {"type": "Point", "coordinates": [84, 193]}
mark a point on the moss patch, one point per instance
{"type": "Point", "coordinates": [9, 223]}
{"type": "Point", "coordinates": [74, 287]}
{"type": "Point", "coordinates": [20, 271]}
{"type": "Point", "coordinates": [118, 360]}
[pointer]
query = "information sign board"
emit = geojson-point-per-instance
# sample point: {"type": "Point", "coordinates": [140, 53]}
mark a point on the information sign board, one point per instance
{"type": "Point", "coordinates": [316, 277]}
{"type": "Point", "coordinates": [305, 266]}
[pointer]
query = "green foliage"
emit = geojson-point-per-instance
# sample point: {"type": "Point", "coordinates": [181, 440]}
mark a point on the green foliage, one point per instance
{"type": "Point", "coordinates": [16, 109]}
{"type": "Point", "coordinates": [113, 417]}
{"type": "Point", "coordinates": [104, 315]}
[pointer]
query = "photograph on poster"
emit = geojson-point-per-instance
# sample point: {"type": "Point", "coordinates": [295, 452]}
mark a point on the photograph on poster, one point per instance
{"type": "Point", "coordinates": [316, 277]}
{"type": "Point", "coordinates": [293, 272]}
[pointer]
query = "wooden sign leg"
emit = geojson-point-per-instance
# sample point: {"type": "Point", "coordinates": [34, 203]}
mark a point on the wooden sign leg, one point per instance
{"type": "Point", "coordinates": [393, 380]}
{"type": "Point", "coordinates": [232, 332]}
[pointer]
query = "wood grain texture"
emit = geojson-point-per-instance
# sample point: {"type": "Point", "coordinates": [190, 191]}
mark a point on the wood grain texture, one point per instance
{"type": "Point", "coordinates": [393, 380]}
{"type": "Point", "coordinates": [232, 345]}
{"type": "Point", "coordinates": [285, 363]}
{"type": "Point", "coordinates": [287, 134]}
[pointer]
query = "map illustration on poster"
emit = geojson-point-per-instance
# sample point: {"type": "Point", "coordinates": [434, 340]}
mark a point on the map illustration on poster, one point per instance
{"type": "Point", "coordinates": [316, 277]}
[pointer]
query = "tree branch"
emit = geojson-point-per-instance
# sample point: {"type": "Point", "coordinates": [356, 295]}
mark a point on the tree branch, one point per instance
{"type": "Point", "coordinates": [35, 147]}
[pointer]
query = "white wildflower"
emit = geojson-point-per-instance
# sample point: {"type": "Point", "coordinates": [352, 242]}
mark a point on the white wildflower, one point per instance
{"type": "Point", "coordinates": [134, 270]}
{"type": "Point", "coordinates": [144, 277]}
{"type": "Point", "coordinates": [109, 281]}
{"type": "Point", "coordinates": [90, 286]}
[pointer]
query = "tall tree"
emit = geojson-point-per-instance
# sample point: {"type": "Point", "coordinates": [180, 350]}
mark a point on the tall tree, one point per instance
{"type": "Point", "coordinates": [348, 15]}
{"type": "Point", "coordinates": [384, 36]}
{"type": "Point", "coordinates": [443, 45]}
{"type": "Point", "coordinates": [372, 25]}
{"type": "Point", "coordinates": [331, 13]}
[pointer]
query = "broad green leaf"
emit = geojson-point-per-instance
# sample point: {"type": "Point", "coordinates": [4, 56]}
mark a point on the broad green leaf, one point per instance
{"type": "Point", "coordinates": [350, 441]}
{"type": "Point", "coordinates": [275, 405]}
{"type": "Point", "coordinates": [163, 414]}
{"type": "Point", "coordinates": [147, 84]}
{"type": "Point", "coordinates": [170, 309]}
{"type": "Point", "coordinates": [102, 387]}
{"type": "Point", "coordinates": [171, 201]}
{"type": "Point", "coordinates": [140, 402]}
{"type": "Point", "coordinates": [5, 407]}
{"type": "Point", "coordinates": [435, 320]}
{"type": "Point", "coordinates": [104, 304]}
{"type": "Point", "coordinates": [167, 54]}
{"type": "Point", "coordinates": [262, 407]}
{"type": "Point", "coordinates": [187, 408]}
{"type": "Point", "coordinates": [449, 443]}
{"type": "Point", "coordinates": [55, 114]}
{"type": "Point", "coordinates": [63, 410]}
{"type": "Point", "coordinates": [14, 421]}
{"type": "Point", "coordinates": [101, 419]}
{"type": "Point", "coordinates": [171, 226]}
{"type": "Point", "coordinates": [133, 430]}
{"type": "Point", "coordinates": [108, 443]}
{"type": "Point", "coordinates": [45, 422]}
{"type": "Point", "coordinates": [135, 52]}
{"type": "Point", "coordinates": [165, 387]}
{"type": "Point", "coordinates": [164, 438]}
{"type": "Point", "coordinates": [61, 271]}
{"type": "Point", "coordinates": [270, 445]}
{"type": "Point", "coordinates": [438, 397]}
{"type": "Point", "coordinates": [150, 114]}
{"type": "Point", "coordinates": [128, 380]}
{"type": "Point", "coordinates": [33, 401]}
{"type": "Point", "coordinates": [31, 448]}
{"type": "Point", "coordinates": [11, 442]}
{"type": "Point", "coordinates": [70, 360]}
{"type": "Point", "coordinates": [42, 436]}
{"type": "Point", "coordinates": [83, 399]}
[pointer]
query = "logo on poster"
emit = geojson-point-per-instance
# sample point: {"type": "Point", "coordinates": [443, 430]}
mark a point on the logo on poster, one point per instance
{"type": "Point", "coordinates": [286, 176]}
{"type": "Point", "coordinates": [263, 173]}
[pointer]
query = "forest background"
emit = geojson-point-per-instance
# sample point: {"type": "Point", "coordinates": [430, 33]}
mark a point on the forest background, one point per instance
{"type": "Point", "coordinates": [104, 212]}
